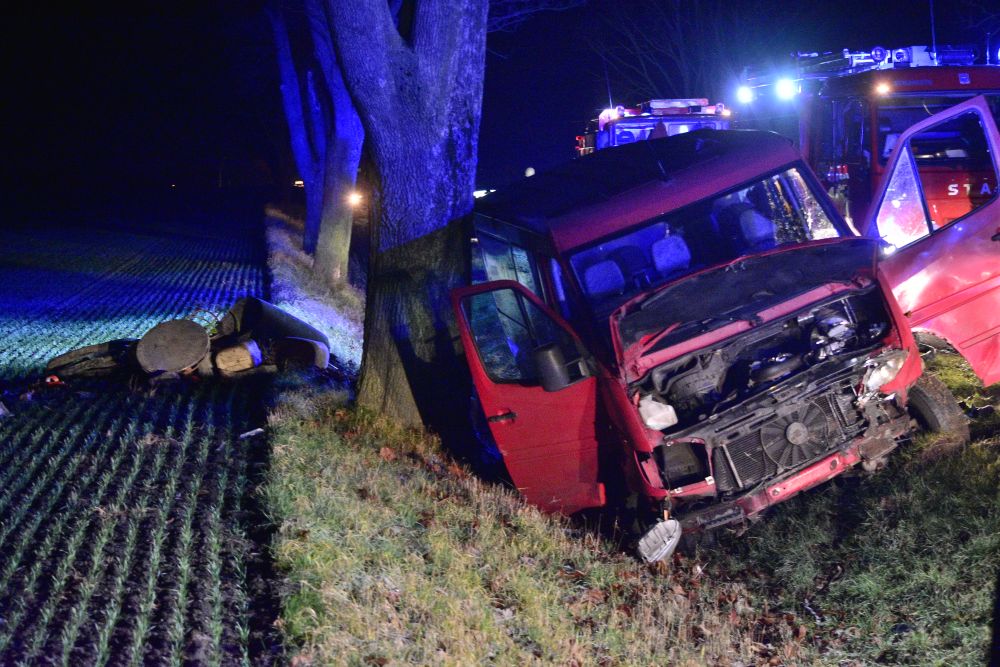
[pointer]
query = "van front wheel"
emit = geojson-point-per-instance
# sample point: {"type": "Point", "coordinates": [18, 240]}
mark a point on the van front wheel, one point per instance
{"type": "Point", "coordinates": [934, 408]}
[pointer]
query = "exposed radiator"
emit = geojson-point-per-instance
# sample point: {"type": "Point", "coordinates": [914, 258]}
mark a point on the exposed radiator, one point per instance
{"type": "Point", "coordinates": [801, 432]}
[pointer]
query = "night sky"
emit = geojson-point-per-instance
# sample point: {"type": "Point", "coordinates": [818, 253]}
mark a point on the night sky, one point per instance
{"type": "Point", "coordinates": [136, 97]}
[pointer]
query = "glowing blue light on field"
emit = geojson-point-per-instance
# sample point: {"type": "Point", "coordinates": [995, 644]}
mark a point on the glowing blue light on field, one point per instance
{"type": "Point", "coordinates": [744, 94]}
{"type": "Point", "coordinates": [786, 89]}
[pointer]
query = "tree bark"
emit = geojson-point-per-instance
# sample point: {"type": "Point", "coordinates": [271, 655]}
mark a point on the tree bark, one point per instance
{"type": "Point", "coordinates": [319, 130]}
{"type": "Point", "coordinates": [334, 242]}
{"type": "Point", "coordinates": [412, 367]}
{"type": "Point", "coordinates": [419, 99]}
{"type": "Point", "coordinates": [342, 159]}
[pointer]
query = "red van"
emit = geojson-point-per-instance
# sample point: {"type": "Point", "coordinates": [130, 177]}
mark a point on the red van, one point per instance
{"type": "Point", "coordinates": [687, 323]}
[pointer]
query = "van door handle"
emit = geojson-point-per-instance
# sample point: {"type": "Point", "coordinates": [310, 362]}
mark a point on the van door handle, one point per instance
{"type": "Point", "coordinates": [510, 415]}
{"type": "Point", "coordinates": [996, 237]}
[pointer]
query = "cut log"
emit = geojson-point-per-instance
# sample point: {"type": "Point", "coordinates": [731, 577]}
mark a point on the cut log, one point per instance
{"type": "Point", "coordinates": [173, 346]}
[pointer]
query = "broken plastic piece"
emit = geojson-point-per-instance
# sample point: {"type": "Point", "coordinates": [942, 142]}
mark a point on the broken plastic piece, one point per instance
{"type": "Point", "coordinates": [656, 415]}
{"type": "Point", "coordinates": [660, 541]}
{"type": "Point", "coordinates": [253, 433]}
{"type": "Point", "coordinates": [4, 412]}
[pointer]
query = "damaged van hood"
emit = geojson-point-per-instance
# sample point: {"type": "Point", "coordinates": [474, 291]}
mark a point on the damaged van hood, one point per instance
{"type": "Point", "coordinates": [735, 292]}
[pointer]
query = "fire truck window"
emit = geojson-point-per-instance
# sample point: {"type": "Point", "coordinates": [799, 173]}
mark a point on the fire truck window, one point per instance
{"type": "Point", "coordinates": [955, 168]}
{"type": "Point", "coordinates": [901, 218]}
{"type": "Point", "coordinates": [507, 328]}
{"type": "Point", "coordinates": [896, 114]}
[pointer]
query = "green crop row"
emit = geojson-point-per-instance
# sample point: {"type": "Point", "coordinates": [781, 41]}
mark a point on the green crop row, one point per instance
{"type": "Point", "coordinates": [122, 515]}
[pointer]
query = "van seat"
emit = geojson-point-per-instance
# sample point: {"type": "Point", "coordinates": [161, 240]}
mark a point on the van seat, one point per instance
{"type": "Point", "coordinates": [603, 280]}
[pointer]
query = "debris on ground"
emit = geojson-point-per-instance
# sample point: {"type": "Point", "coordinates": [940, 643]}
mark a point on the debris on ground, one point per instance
{"type": "Point", "coordinates": [4, 412]}
{"type": "Point", "coordinates": [252, 337]}
{"type": "Point", "coordinates": [251, 433]}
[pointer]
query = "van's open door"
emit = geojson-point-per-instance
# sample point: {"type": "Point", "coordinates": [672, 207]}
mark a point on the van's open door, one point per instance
{"type": "Point", "coordinates": [938, 215]}
{"type": "Point", "coordinates": [548, 439]}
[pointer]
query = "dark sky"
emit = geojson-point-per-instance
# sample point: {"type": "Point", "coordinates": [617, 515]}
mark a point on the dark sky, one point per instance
{"type": "Point", "coordinates": [137, 95]}
{"type": "Point", "coordinates": [544, 82]}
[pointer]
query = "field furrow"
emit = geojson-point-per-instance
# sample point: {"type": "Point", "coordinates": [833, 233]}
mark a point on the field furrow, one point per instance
{"type": "Point", "coordinates": [122, 521]}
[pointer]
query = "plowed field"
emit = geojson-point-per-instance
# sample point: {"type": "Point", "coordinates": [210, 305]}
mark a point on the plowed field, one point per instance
{"type": "Point", "coordinates": [126, 514]}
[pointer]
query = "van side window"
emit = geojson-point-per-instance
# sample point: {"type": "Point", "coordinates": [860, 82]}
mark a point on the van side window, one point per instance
{"type": "Point", "coordinates": [507, 329]}
{"type": "Point", "coordinates": [501, 260]}
{"type": "Point", "coordinates": [943, 174]}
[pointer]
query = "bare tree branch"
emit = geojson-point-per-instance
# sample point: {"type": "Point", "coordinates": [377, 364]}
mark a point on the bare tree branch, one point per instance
{"type": "Point", "coordinates": [508, 14]}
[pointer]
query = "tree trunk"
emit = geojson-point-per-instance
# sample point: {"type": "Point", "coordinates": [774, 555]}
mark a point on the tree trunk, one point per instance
{"type": "Point", "coordinates": [334, 243]}
{"type": "Point", "coordinates": [341, 172]}
{"type": "Point", "coordinates": [419, 98]}
{"type": "Point", "coordinates": [412, 370]}
{"type": "Point", "coordinates": [319, 139]}
{"type": "Point", "coordinates": [314, 211]}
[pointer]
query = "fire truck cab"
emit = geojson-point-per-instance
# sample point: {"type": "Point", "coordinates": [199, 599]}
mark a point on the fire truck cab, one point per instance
{"type": "Point", "coordinates": [851, 108]}
{"type": "Point", "coordinates": [653, 119]}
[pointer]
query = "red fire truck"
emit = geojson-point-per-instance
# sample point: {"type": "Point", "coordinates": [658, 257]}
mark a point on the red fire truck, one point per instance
{"type": "Point", "coordinates": [653, 119]}
{"type": "Point", "coordinates": [851, 108]}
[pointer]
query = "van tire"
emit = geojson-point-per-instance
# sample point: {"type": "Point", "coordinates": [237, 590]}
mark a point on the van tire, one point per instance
{"type": "Point", "coordinates": [930, 345]}
{"type": "Point", "coordinates": [935, 410]}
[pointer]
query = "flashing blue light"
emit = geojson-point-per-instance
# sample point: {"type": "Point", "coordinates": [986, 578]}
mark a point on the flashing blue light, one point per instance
{"type": "Point", "coordinates": [786, 89]}
{"type": "Point", "coordinates": [744, 94]}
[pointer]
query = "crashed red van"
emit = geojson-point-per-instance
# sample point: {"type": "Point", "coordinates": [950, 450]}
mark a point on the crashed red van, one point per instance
{"type": "Point", "coordinates": [688, 325]}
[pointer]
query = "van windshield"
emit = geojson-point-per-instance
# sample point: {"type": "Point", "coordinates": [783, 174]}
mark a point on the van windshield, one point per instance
{"type": "Point", "coordinates": [777, 210]}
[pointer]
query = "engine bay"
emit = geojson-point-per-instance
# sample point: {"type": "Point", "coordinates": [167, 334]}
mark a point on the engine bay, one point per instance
{"type": "Point", "coordinates": [701, 384]}
{"type": "Point", "coordinates": [766, 401]}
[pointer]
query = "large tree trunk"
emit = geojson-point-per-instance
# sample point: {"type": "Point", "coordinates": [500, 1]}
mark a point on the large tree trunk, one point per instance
{"type": "Point", "coordinates": [419, 97]}
{"type": "Point", "coordinates": [412, 369]}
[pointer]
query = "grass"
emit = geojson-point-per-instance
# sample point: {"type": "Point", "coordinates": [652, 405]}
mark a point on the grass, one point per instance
{"type": "Point", "coordinates": [394, 554]}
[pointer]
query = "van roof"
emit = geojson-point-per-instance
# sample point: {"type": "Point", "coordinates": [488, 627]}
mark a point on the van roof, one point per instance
{"type": "Point", "coordinates": [608, 191]}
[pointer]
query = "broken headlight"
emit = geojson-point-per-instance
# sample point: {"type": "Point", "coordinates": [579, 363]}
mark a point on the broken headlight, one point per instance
{"type": "Point", "coordinates": [884, 368]}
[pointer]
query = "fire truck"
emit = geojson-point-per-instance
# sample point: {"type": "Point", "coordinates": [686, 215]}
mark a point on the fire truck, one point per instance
{"type": "Point", "coordinates": [851, 108]}
{"type": "Point", "coordinates": [653, 119]}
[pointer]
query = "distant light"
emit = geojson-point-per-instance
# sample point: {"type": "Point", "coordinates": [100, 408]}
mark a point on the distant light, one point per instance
{"type": "Point", "coordinates": [744, 94]}
{"type": "Point", "coordinates": [883, 88]}
{"type": "Point", "coordinates": [354, 198]}
{"type": "Point", "coordinates": [786, 89]}
{"type": "Point", "coordinates": [727, 112]}
{"type": "Point", "coordinates": [173, 185]}
{"type": "Point", "coordinates": [299, 184]}
{"type": "Point", "coordinates": [482, 193]}
{"type": "Point", "coordinates": [530, 171]}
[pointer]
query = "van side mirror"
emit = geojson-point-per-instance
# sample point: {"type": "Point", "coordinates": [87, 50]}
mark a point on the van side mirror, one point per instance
{"type": "Point", "coordinates": [553, 370]}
